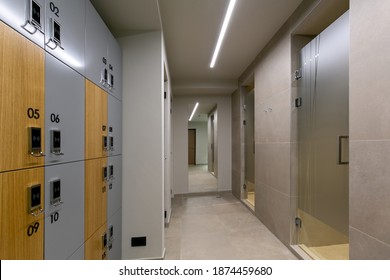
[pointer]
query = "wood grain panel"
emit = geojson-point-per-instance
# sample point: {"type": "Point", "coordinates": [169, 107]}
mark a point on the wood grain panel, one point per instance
{"type": "Point", "coordinates": [95, 196]}
{"type": "Point", "coordinates": [21, 87]}
{"type": "Point", "coordinates": [96, 120]}
{"type": "Point", "coordinates": [93, 248]}
{"type": "Point", "coordinates": [15, 219]}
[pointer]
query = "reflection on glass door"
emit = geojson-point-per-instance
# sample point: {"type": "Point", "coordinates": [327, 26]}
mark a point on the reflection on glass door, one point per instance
{"type": "Point", "coordinates": [323, 144]}
{"type": "Point", "coordinates": [249, 127]}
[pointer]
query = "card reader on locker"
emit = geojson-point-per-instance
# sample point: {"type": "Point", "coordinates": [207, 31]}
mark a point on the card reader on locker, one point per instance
{"type": "Point", "coordinates": [105, 174]}
{"type": "Point", "coordinates": [110, 237]}
{"type": "Point", "coordinates": [111, 171]}
{"type": "Point", "coordinates": [111, 143]}
{"type": "Point", "coordinates": [34, 200]}
{"type": "Point", "coordinates": [33, 22]}
{"type": "Point", "coordinates": [35, 142]}
{"type": "Point", "coordinates": [55, 35]}
{"type": "Point", "coordinates": [55, 142]}
{"type": "Point", "coordinates": [105, 143]}
{"type": "Point", "coordinates": [55, 193]}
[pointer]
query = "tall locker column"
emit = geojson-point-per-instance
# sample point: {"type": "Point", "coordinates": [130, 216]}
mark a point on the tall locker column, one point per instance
{"type": "Point", "coordinates": [103, 139]}
{"type": "Point", "coordinates": [96, 170]}
{"type": "Point", "coordinates": [64, 171]}
{"type": "Point", "coordinates": [22, 135]}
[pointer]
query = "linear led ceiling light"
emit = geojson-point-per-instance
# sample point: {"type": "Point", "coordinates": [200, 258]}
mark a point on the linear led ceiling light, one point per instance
{"type": "Point", "coordinates": [223, 31]}
{"type": "Point", "coordinates": [193, 111]}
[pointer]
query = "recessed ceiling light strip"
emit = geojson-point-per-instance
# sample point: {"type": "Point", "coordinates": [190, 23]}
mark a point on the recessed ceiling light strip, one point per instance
{"type": "Point", "coordinates": [193, 111]}
{"type": "Point", "coordinates": [223, 31]}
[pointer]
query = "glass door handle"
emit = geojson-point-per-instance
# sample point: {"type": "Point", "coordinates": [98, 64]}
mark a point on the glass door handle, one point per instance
{"type": "Point", "coordinates": [343, 150]}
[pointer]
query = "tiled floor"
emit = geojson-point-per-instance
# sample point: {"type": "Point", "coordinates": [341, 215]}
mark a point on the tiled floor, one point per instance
{"type": "Point", "coordinates": [217, 227]}
{"type": "Point", "coordinates": [200, 179]}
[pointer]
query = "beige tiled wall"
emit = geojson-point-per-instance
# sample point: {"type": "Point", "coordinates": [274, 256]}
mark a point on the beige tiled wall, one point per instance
{"type": "Point", "coordinates": [236, 144]}
{"type": "Point", "coordinates": [272, 135]}
{"type": "Point", "coordinates": [369, 130]}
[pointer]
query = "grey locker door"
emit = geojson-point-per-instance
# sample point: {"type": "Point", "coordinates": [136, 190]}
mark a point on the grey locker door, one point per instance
{"type": "Point", "coordinates": [96, 36]}
{"type": "Point", "coordinates": [114, 126]}
{"type": "Point", "coordinates": [65, 32]}
{"type": "Point", "coordinates": [64, 215]}
{"type": "Point", "coordinates": [114, 196]}
{"type": "Point", "coordinates": [26, 17]}
{"type": "Point", "coordinates": [64, 111]}
{"type": "Point", "coordinates": [114, 233]}
{"type": "Point", "coordinates": [115, 67]}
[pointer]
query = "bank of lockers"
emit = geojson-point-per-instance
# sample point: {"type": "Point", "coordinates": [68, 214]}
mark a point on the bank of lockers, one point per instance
{"type": "Point", "coordinates": [60, 126]}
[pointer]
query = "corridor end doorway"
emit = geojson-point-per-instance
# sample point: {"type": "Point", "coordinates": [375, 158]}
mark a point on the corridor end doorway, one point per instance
{"type": "Point", "coordinates": [202, 148]}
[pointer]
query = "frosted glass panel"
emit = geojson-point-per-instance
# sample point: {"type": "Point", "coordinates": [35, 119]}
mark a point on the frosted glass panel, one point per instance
{"type": "Point", "coordinates": [323, 138]}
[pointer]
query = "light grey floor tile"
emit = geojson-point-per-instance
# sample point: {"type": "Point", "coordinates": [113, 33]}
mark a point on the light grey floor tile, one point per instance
{"type": "Point", "coordinates": [219, 227]}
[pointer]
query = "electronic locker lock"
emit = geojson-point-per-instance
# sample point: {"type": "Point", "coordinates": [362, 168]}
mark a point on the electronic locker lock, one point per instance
{"type": "Point", "coordinates": [55, 142]}
{"type": "Point", "coordinates": [104, 77]}
{"type": "Point", "coordinates": [110, 237]}
{"type": "Point", "coordinates": [33, 22]}
{"type": "Point", "coordinates": [111, 171]}
{"type": "Point", "coordinates": [104, 245]}
{"type": "Point", "coordinates": [112, 143]}
{"type": "Point", "coordinates": [105, 143]}
{"type": "Point", "coordinates": [105, 174]}
{"type": "Point", "coordinates": [111, 81]}
{"type": "Point", "coordinates": [55, 193]}
{"type": "Point", "coordinates": [55, 35]}
{"type": "Point", "coordinates": [35, 142]}
{"type": "Point", "coordinates": [34, 200]}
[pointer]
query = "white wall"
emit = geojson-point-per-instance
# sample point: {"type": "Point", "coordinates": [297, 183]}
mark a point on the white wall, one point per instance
{"type": "Point", "coordinates": [180, 141]}
{"type": "Point", "coordinates": [143, 145]}
{"type": "Point", "coordinates": [201, 141]}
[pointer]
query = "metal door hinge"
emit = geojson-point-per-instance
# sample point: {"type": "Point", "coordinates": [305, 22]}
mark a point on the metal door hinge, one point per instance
{"type": "Point", "coordinates": [298, 74]}
{"type": "Point", "coordinates": [244, 122]}
{"type": "Point", "coordinates": [244, 186]}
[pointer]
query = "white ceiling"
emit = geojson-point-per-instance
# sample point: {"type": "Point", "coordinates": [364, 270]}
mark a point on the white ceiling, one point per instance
{"type": "Point", "coordinates": [191, 29]}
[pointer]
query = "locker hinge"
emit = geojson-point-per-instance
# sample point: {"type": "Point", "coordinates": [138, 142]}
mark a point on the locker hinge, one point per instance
{"type": "Point", "coordinates": [165, 214]}
{"type": "Point", "coordinates": [298, 222]}
{"type": "Point", "coordinates": [244, 186]}
{"type": "Point", "coordinates": [298, 102]}
{"type": "Point", "coordinates": [298, 74]}
{"type": "Point", "coordinates": [244, 122]}
{"type": "Point", "coordinates": [165, 95]}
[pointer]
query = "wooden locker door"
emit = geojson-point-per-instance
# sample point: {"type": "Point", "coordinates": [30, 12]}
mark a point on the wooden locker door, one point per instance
{"type": "Point", "coordinates": [94, 247]}
{"type": "Point", "coordinates": [21, 234]}
{"type": "Point", "coordinates": [96, 120]}
{"type": "Point", "coordinates": [95, 196]}
{"type": "Point", "coordinates": [22, 98]}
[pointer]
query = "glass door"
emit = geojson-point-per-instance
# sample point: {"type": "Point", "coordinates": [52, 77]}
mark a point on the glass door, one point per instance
{"type": "Point", "coordinates": [323, 144]}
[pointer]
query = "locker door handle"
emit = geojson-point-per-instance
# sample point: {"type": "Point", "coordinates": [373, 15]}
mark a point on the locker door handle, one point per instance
{"type": "Point", "coordinates": [40, 154]}
{"type": "Point", "coordinates": [58, 203]}
{"type": "Point", "coordinates": [341, 159]}
{"type": "Point", "coordinates": [27, 23]}
{"type": "Point", "coordinates": [57, 153]}
{"type": "Point", "coordinates": [40, 212]}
